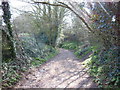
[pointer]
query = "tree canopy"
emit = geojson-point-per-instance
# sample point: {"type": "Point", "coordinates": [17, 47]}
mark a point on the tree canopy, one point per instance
{"type": "Point", "coordinates": [88, 28]}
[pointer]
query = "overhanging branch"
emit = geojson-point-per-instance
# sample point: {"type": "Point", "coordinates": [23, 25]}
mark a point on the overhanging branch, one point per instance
{"type": "Point", "coordinates": [52, 4]}
{"type": "Point", "coordinates": [61, 4]}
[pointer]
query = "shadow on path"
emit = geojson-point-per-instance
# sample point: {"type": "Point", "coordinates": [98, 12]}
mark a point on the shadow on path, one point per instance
{"type": "Point", "coordinates": [63, 71]}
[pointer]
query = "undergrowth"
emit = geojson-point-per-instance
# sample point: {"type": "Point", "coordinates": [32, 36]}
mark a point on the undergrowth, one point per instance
{"type": "Point", "coordinates": [12, 71]}
{"type": "Point", "coordinates": [69, 45]}
{"type": "Point", "coordinates": [39, 61]}
{"type": "Point", "coordinates": [34, 55]}
{"type": "Point", "coordinates": [104, 64]}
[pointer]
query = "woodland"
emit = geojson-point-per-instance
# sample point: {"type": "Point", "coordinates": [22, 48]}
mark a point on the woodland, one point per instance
{"type": "Point", "coordinates": [88, 29]}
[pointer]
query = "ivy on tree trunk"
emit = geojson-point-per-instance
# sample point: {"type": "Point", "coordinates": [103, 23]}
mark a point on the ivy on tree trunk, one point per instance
{"type": "Point", "coordinates": [6, 16]}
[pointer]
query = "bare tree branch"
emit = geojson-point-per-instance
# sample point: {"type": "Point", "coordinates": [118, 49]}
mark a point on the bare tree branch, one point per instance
{"type": "Point", "coordinates": [52, 4]}
{"type": "Point", "coordinates": [66, 6]}
{"type": "Point", "coordinates": [104, 9]}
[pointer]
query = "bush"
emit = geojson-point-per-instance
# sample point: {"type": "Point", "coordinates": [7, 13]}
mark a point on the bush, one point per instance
{"type": "Point", "coordinates": [69, 45]}
{"type": "Point", "coordinates": [104, 66]}
{"type": "Point", "coordinates": [80, 53]}
{"type": "Point", "coordinates": [36, 53]}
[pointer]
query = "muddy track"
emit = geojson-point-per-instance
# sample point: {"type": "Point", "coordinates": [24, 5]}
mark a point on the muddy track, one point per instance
{"type": "Point", "coordinates": [63, 71]}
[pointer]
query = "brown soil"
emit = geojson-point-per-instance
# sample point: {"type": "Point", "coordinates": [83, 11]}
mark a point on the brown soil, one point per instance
{"type": "Point", "coordinates": [63, 71]}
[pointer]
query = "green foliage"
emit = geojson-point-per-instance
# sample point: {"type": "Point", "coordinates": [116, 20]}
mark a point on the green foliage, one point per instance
{"type": "Point", "coordinates": [104, 24]}
{"type": "Point", "coordinates": [44, 27]}
{"type": "Point", "coordinates": [37, 51]}
{"type": "Point", "coordinates": [69, 45]}
{"type": "Point", "coordinates": [10, 75]}
{"type": "Point", "coordinates": [48, 22]}
{"type": "Point", "coordinates": [104, 66]}
{"type": "Point", "coordinates": [80, 53]}
{"type": "Point", "coordinates": [8, 43]}
{"type": "Point", "coordinates": [38, 61]}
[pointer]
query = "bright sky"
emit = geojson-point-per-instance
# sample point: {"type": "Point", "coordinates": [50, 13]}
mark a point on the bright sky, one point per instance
{"type": "Point", "coordinates": [24, 6]}
{"type": "Point", "coordinates": [17, 4]}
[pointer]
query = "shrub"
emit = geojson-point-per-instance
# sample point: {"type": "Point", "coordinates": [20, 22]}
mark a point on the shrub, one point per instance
{"type": "Point", "coordinates": [69, 45]}
{"type": "Point", "coordinates": [105, 66]}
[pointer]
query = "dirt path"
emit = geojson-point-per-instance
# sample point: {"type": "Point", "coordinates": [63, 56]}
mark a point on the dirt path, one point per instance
{"type": "Point", "coordinates": [63, 71]}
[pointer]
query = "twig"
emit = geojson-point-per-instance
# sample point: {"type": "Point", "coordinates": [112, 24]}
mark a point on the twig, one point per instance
{"type": "Point", "coordinates": [66, 6]}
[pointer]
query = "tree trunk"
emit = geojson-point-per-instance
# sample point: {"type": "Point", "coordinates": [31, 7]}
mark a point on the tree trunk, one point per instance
{"type": "Point", "coordinates": [6, 17]}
